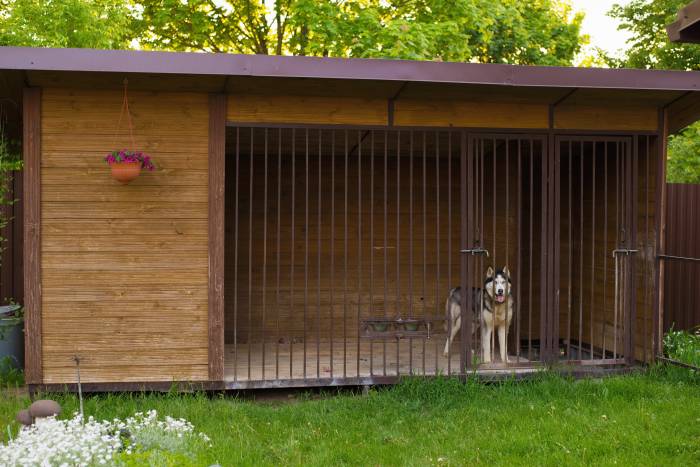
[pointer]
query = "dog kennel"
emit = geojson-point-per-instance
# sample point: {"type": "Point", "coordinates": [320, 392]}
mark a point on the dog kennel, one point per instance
{"type": "Point", "coordinates": [308, 217]}
{"type": "Point", "coordinates": [342, 245]}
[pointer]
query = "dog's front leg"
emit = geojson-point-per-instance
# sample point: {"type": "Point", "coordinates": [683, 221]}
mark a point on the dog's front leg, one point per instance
{"type": "Point", "coordinates": [486, 341]}
{"type": "Point", "coordinates": [502, 342]}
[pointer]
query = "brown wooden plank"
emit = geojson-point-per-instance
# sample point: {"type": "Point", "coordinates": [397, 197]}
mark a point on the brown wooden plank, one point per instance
{"type": "Point", "coordinates": [217, 195]}
{"type": "Point", "coordinates": [446, 113]}
{"type": "Point", "coordinates": [32, 235]}
{"type": "Point", "coordinates": [115, 227]}
{"type": "Point", "coordinates": [307, 109]}
{"type": "Point", "coordinates": [605, 118]}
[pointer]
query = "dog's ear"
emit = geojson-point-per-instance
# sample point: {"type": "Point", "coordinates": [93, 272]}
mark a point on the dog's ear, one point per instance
{"type": "Point", "coordinates": [506, 272]}
{"type": "Point", "coordinates": [489, 272]}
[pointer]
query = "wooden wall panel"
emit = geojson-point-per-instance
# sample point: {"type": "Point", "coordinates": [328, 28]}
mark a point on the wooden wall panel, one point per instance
{"type": "Point", "coordinates": [606, 118]}
{"type": "Point", "coordinates": [306, 109]}
{"type": "Point", "coordinates": [126, 267]}
{"type": "Point", "coordinates": [410, 112]}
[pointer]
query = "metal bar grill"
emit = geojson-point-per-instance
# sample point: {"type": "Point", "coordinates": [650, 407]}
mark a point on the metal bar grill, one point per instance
{"type": "Point", "coordinates": [473, 259]}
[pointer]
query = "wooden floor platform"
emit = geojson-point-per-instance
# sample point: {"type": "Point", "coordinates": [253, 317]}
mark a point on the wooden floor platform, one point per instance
{"type": "Point", "coordinates": [296, 361]}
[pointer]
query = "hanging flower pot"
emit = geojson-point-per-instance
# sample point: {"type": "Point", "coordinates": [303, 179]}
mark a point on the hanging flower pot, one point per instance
{"type": "Point", "coordinates": [127, 165]}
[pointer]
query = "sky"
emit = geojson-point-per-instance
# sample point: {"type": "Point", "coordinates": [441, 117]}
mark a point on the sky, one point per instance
{"type": "Point", "coordinates": [601, 28]}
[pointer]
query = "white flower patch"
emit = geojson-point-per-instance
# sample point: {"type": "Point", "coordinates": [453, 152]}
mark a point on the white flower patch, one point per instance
{"type": "Point", "coordinates": [51, 442]}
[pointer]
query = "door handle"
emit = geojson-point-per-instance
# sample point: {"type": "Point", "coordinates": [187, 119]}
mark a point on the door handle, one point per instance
{"type": "Point", "coordinates": [476, 251]}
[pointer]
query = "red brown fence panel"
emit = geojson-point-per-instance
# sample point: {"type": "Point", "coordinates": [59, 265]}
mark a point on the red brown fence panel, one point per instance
{"type": "Point", "coordinates": [682, 262]}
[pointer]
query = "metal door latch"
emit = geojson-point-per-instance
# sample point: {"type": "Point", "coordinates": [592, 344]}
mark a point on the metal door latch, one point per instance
{"type": "Point", "coordinates": [476, 251]}
{"type": "Point", "coordinates": [623, 251]}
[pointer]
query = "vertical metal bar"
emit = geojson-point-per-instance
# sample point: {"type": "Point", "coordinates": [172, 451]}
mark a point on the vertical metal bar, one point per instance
{"type": "Point", "coordinates": [449, 244]}
{"type": "Point", "coordinates": [345, 265]}
{"type": "Point", "coordinates": [410, 248]}
{"type": "Point", "coordinates": [318, 264]}
{"type": "Point", "coordinates": [250, 253]}
{"type": "Point", "coordinates": [359, 244]}
{"type": "Point", "coordinates": [466, 155]}
{"type": "Point", "coordinates": [279, 231]}
{"type": "Point", "coordinates": [235, 259]}
{"type": "Point", "coordinates": [570, 158]}
{"type": "Point", "coordinates": [481, 188]}
{"type": "Point", "coordinates": [633, 157]}
{"type": "Point", "coordinates": [332, 253]}
{"type": "Point", "coordinates": [647, 272]}
{"type": "Point", "coordinates": [494, 252]}
{"type": "Point", "coordinates": [437, 242]}
{"type": "Point", "coordinates": [386, 269]}
{"type": "Point", "coordinates": [605, 244]}
{"type": "Point", "coordinates": [518, 301]}
{"type": "Point", "coordinates": [581, 256]}
{"type": "Point", "coordinates": [371, 247]}
{"type": "Point", "coordinates": [532, 244]}
{"type": "Point", "coordinates": [306, 239]}
{"type": "Point", "coordinates": [264, 265]}
{"type": "Point", "coordinates": [293, 249]}
{"type": "Point", "coordinates": [556, 256]}
{"type": "Point", "coordinates": [398, 241]}
{"type": "Point", "coordinates": [507, 235]}
{"type": "Point", "coordinates": [425, 235]}
{"type": "Point", "coordinates": [593, 247]}
{"type": "Point", "coordinates": [544, 296]}
{"type": "Point", "coordinates": [617, 244]}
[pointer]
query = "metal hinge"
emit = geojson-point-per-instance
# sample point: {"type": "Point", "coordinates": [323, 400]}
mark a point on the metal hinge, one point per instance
{"type": "Point", "coordinates": [476, 251]}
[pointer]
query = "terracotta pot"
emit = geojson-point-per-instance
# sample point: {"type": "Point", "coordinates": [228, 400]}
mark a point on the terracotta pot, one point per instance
{"type": "Point", "coordinates": [124, 172]}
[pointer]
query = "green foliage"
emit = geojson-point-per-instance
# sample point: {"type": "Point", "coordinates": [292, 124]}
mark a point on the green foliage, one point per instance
{"type": "Point", "coordinates": [99, 24]}
{"type": "Point", "coordinates": [641, 419]}
{"type": "Point", "coordinates": [10, 375]}
{"type": "Point", "coordinates": [10, 162]}
{"type": "Point", "coordinates": [683, 346]}
{"type": "Point", "coordinates": [509, 31]}
{"type": "Point", "coordinates": [684, 156]}
{"type": "Point", "coordinates": [649, 46]}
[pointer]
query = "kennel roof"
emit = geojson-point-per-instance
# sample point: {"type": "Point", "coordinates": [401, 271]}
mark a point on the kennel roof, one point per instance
{"type": "Point", "coordinates": [677, 91]}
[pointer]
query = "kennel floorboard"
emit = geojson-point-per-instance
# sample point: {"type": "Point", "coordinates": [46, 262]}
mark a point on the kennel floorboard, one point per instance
{"type": "Point", "coordinates": [371, 363]}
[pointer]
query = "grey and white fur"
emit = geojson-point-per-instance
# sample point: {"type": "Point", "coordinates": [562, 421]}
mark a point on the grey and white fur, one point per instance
{"type": "Point", "coordinates": [493, 305]}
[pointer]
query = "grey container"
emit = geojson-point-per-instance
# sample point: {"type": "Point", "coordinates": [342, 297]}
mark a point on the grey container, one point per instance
{"type": "Point", "coordinates": [11, 336]}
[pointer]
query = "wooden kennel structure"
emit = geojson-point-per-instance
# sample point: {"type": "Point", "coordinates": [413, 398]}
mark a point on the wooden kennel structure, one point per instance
{"type": "Point", "coordinates": [309, 216]}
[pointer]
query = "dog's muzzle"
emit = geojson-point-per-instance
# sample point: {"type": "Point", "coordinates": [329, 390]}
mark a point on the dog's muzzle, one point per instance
{"type": "Point", "coordinates": [500, 297]}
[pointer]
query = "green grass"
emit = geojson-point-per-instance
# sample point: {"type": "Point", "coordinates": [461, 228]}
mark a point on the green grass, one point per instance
{"type": "Point", "coordinates": [683, 346]}
{"type": "Point", "coordinates": [642, 419]}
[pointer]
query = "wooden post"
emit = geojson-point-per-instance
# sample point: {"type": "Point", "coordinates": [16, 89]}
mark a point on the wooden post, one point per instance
{"type": "Point", "coordinates": [31, 149]}
{"type": "Point", "coordinates": [217, 160]}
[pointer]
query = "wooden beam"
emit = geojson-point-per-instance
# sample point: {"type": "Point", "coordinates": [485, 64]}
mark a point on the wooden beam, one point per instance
{"type": "Point", "coordinates": [31, 148]}
{"type": "Point", "coordinates": [660, 210]}
{"type": "Point", "coordinates": [217, 160]}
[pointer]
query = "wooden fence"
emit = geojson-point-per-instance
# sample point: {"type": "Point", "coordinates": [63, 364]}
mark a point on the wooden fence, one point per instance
{"type": "Point", "coordinates": [682, 273]}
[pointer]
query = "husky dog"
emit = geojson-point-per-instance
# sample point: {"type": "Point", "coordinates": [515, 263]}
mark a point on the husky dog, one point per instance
{"type": "Point", "coordinates": [493, 305]}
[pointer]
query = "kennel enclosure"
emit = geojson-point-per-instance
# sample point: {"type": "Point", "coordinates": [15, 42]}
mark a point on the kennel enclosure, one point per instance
{"type": "Point", "coordinates": [309, 217]}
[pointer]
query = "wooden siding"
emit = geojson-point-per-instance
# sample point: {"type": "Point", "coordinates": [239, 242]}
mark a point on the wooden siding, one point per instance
{"type": "Point", "coordinates": [307, 109]}
{"type": "Point", "coordinates": [125, 268]}
{"type": "Point", "coordinates": [606, 118]}
{"type": "Point", "coordinates": [412, 112]}
{"type": "Point", "coordinates": [481, 113]}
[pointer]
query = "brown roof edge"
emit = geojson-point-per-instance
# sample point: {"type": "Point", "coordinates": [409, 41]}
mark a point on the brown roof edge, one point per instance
{"type": "Point", "coordinates": [686, 28]}
{"type": "Point", "coordinates": [127, 61]}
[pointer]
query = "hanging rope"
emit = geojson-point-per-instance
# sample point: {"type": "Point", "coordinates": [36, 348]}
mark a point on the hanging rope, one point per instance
{"type": "Point", "coordinates": [125, 110]}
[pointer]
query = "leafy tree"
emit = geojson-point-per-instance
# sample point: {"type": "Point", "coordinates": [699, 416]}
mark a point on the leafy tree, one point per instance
{"type": "Point", "coordinates": [649, 47]}
{"type": "Point", "coordinates": [509, 31]}
{"type": "Point", "coordinates": [101, 24]}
